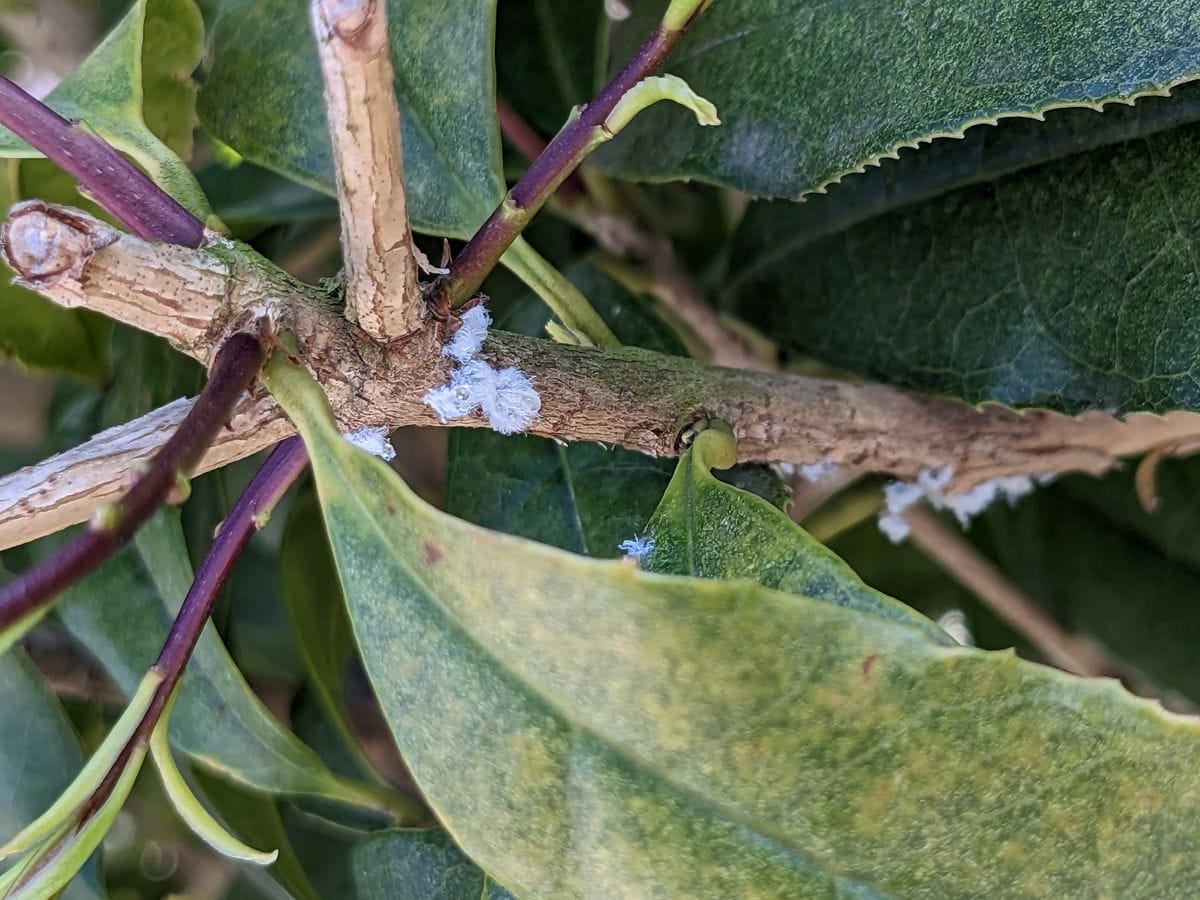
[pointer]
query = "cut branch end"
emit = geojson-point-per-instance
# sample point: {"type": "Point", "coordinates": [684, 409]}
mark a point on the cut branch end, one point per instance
{"type": "Point", "coordinates": [382, 293]}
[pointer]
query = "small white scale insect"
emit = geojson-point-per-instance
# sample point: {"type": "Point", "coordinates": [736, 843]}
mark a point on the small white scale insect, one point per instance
{"type": "Point", "coordinates": [505, 396]}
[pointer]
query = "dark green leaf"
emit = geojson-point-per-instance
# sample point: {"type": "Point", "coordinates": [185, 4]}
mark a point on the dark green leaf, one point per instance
{"type": "Point", "coordinates": [809, 92]}
{"type": "Point", "coordinates": [577, 722]}
{"type": "Point", "coordinates": [263, 97]}
{"type": "Point", "coordinates": [580, 497]}
{"type": "Point", "coordinates": [709, 529]}
{"type": "Point", "coordinates": [39, 756]}
{"type": "Point", "coordinates": [249, 198]}
{"type": "Point", "coordinates": [983, 154]}
{"type": "Point", "coordinates": [546, 62]}
{"type": "Point", "coordinates": [1070, 285]}
{"type": "Point", "coordinates": [419, 865]}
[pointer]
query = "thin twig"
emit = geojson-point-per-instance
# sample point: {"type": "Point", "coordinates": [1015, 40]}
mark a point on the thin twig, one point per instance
{"type": "Point", "coordinates": [235, 366]}
{"type": "Point", "coordinates": [526, 141]}
{"type": "Point", "coordinates": [64, 489]}
{"type": "Point", "coordinates": [382, 293]}
{"type": "Point", "coordinates": [265, 489]}
{"type": "Point", "coordinates": [561, 157]}
{"type": "Point", "coordinates": [249, 514]}
{"type": "Point", "coordinates": [115, 183]}
{"type": "Point", "coordinates": [678, 294]}
{"type": "Point", "coordinates": [967, 566]}
{"type": "Point", "coordinates": [808, 496]}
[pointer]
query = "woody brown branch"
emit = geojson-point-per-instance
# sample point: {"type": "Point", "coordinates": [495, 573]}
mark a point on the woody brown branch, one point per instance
{"type": "Point", "coordinates": [635, 399]}
{"type": "Point", "coordinates": [382, 295]}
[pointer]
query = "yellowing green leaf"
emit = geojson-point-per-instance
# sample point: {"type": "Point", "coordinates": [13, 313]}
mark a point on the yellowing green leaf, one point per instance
{"type": "Point", "coordinates": [578, 723]}
{"type": "Point", "coordinates": [138, 95]}
{"type": "Point", "coordinates": [189, 807]}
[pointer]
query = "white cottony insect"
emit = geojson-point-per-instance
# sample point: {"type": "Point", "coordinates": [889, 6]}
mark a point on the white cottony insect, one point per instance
{"type": "Point", "coordinates": [468, 340]}
{"type": "Point", "coordinates": [374, 440]}
{"type": "Point", "coordinates": [468, 386]}
{"type": "Point", "coordinates": [512, 403]}
{"type": "Point", "coordinates": [899, 496]}
{"type": "Point", "coordinates": [506, 397]}
{"type": "Point", "coordinates": [638, 547]}
{"type": "Point", "coordinates": [814, 472]}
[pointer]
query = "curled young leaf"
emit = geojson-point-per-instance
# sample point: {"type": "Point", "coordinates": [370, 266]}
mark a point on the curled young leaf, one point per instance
{"type": "Point", "coordinates": [76, 796]}
{"type": "Point", "coordinates": [61, 839]}
{"type": "Point", "coordinates": [709, 529]}
{"type": "Point", "coordinates": [188, 805]}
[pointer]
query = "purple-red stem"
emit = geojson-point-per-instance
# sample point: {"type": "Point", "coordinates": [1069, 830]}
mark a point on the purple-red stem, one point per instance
{"type": "Point", "coordinates": [149, 212]}
{"type": "Point", "coordinates": [115, 183]}
{"type": "Point", "coordinates": [274, 477]}
{"type": "Point", "coordinates": [483, 251]}
{"type": "Point", "coordinates": [236, 364]}
{"type": "Point", "coordinates": [270, 482]}
{"type": "Point", "coordinates": [526, 141]}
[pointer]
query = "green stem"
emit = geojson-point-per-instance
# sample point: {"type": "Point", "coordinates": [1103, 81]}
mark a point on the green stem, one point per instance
{"type": "Point", "coordinates": [681, 13]}
{"type": "Point", "coordinates": [588, 127]}
{"type": "Point", "coordinates": [564, 299]}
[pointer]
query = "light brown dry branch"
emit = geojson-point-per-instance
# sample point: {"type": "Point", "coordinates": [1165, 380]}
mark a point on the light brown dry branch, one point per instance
{"type": "Point", "coordinates": [64, 489]}
{"type": "Point", "coordinates": [632, 398]}
{"type": "Point", "coordinates": [967, 566]}
{"type": "Point", "coordinates": [668, 284]}
{"type": "Point", "coordinates": [364, 123]}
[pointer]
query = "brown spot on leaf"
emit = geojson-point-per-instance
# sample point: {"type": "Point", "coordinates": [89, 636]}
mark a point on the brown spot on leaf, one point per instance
{"type": "Point", "coordinates": [867, 664]}
{"type": "Point", "coordinates": [431, 552]}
